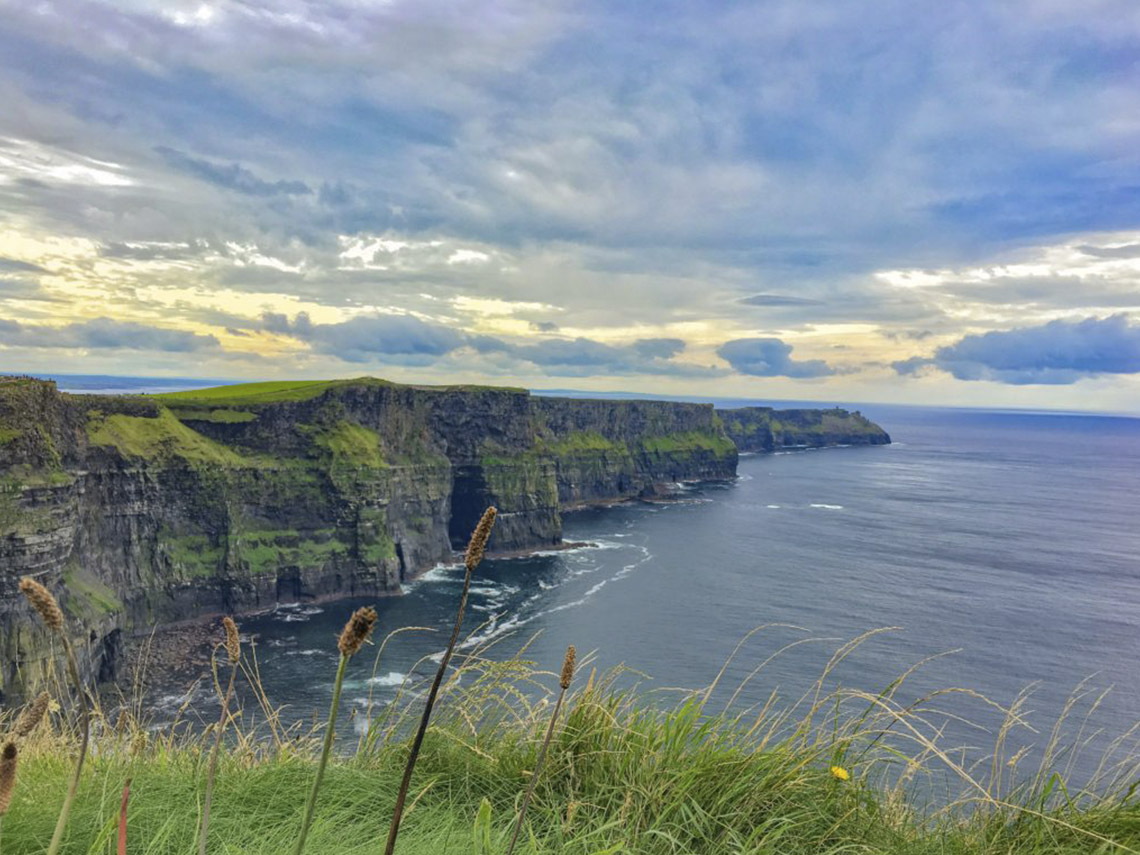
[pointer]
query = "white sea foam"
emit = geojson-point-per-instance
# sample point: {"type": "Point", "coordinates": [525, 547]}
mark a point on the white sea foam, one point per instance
{"type": "Point", "coordinates": [827, 507]}
{"type": "Point", "coordinates": [438, 573]}
{"type": "Point", "coordinates": [392, 678]}
{"type": "Point", "coordinates": [774, 507]}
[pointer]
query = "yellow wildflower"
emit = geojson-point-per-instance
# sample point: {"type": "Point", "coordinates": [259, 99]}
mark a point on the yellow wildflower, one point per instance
{"type": "Point", "coordinates": [841, 773]}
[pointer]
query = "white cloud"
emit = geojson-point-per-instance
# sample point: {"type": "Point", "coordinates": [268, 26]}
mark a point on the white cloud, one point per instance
{"type": "Point", "coordinates": [26, 159]}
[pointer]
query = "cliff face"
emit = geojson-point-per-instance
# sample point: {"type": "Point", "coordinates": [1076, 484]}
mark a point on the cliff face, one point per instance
{"type": "Point", "coordinates": [143, 509]}
{"type": "Point", "coordinates": [763, 429]}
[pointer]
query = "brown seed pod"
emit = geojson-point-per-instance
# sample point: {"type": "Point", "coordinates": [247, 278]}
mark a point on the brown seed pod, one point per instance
{"type": "Point", "coordinates": [478, 543]}
{"type": "Point", "coordinates": [568, 667]}
{"type": "Point", "coordinates": [233, 640]}
{"type": "Point", "coordinates": [7, 776]}
{"type": "Point", "coordinates": [357, 630]}
{"type": "Point", "coordinates": [43, 602]}
{"type": "Point", "coordinates": [32, 715]}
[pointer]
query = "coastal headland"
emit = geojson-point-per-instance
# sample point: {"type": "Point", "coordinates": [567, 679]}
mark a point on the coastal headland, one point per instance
{"type": "Point", "coordinates": [139, 509]}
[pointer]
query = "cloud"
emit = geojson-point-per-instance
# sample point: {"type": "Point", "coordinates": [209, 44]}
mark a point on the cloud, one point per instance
{"type": "Point", "coordinates": [408, 340]}
{"type": "Point", "coordinates": [1128, 250]}
{"type": "Point", "coordinates": [12, 265]}
{"type": "Point", "coordinates": [336, 156]}
{"type": "Point", "coordinates": [769, 357]}
{"type": "Point", "coordinates": [583, 357]}
{"type": "Point", "coordinates": [401, 339]}
{"type": "Point", "coordinates": [231, 176]}
{"type": "Point", "coordinates": [777, 300]}
{"type": "Point", "coordinates": [105, 333]}
{"type": "Point", "coordinates": [1056, 353]}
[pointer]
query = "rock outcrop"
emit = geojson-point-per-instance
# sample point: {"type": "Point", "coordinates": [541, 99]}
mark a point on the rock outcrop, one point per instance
{"type": "Point", "coordinates": [764, 429]}
{"type": "Point", "coordinates": [138, 509]}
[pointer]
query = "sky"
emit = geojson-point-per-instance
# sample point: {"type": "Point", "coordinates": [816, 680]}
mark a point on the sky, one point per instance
{"type": "Point", "coordinates": [858, 201]}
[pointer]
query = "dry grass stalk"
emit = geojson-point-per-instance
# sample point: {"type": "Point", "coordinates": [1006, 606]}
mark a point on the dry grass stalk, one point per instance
{"type": "Point", "coordinates": [8, 759]}
{"type": "Point", "coordinates": [47, 606]}
{"type": "Point", "coordinates": [568, 668]}
{"type": "Point", "coordinates": [233, 639]}
{"type": "Point", "coordinates": [352, 638]}
{"type": "Point", "coordinates": [123, 817]}
{"type": "Point", "coordinates": [476, 548]}
{"type": "Point", "coordinates": [356, 631]}
{"type": "Point", "coordinates": [233, 648]}
{"type": "Point", "coordinates": [43, 602]}
{"type": "Point", "coordinates": [32, 715]}
{"type": "Point", "coordinates": [563, 684]}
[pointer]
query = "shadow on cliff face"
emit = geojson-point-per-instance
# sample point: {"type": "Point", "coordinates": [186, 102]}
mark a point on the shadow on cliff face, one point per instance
{"type": "Point", "coordinates": [470, 495]}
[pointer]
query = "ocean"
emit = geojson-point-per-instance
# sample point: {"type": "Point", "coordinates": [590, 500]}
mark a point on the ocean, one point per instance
{"type": "Point", "coordinates": [1005, 545]}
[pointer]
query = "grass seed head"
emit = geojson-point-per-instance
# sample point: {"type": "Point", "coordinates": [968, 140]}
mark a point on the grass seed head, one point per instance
{"type": "Point", "coordinates": [43, 602]}
{"type": "Point", "coordinates": [357, 630]}
{"type": "Point", "coordinates": [233, 640]}
{"type": "Point", "coordinates": [478, 544]}
{"type": "Point", "coordinates": [32, 715]}
{"type": "Point", "coordinates": [7, 776]}
{"type": "Point", "coordinates": [568, 667]}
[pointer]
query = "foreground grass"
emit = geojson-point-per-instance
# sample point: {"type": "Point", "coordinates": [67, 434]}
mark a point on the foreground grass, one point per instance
{"type": "Point", "coordinates": [620, 777]}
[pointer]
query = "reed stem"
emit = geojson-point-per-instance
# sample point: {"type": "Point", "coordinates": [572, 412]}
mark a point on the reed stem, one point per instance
{"type": "Point", "coordinates": [211, 771]}
{"type": "Point", "coordinates": [402, 795]}
{"type": "Point", "coordinates": [563, 684]}
{"type": "Point", "coordinates": [123, 818]}
{"type": "Point", "coordinates": [330, 731]}
{"type": "Point", "coordinates": [475, 551]}
{"type": "Point", "coordinates": [85, 725]}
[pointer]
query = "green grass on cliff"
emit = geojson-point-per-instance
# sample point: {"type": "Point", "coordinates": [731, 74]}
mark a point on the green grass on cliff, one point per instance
{"type": "Point", "coordinates": [159, 437]}
{"type": "Point", "coordinates": [689, 442]}
{"type": "Point", "coordinates": [269, 392]}
{"type": "Point", "coordinates": [276, 391]}
{"type": "Point", "coordinates": [347, 443]}
{"type": "Point", "coordinates": [833, 773]}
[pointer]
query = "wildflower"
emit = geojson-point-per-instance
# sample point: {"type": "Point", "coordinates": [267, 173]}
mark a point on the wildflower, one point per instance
{"type": "Point", "coordinates": [840, 773]}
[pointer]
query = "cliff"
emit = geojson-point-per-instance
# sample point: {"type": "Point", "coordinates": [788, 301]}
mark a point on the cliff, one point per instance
{"type": "Point", "coordinates": [763, 429]}
{"type": "Point", "coordinates": [139, 509]}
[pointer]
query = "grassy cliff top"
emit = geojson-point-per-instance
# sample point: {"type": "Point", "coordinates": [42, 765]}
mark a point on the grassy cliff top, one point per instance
{"type": "Point", "coordinates": [842, 775]}
{"type": "Point", "coordinates": [268, 392]}
{"type": "Point", "coordinates": [277, 391]}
